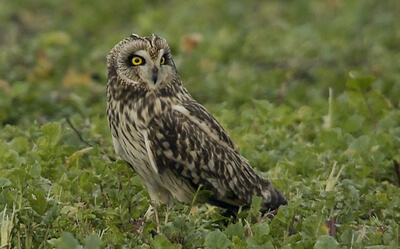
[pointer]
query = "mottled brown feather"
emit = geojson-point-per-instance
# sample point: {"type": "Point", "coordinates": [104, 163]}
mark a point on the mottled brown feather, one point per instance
{"type": "Point", "coordinates": [171, 141]}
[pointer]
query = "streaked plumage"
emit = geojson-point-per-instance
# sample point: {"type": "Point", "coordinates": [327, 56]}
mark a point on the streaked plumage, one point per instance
{"type": "Point", "coordinates": [171, 141]}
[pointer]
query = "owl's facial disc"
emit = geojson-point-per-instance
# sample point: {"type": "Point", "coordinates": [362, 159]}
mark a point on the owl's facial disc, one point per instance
{"type": "Point", "coordinates": [151, 69]}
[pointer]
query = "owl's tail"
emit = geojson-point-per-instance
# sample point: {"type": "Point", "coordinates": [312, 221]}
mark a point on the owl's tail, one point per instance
{"type": "Point", "coordinates": [275, 199]}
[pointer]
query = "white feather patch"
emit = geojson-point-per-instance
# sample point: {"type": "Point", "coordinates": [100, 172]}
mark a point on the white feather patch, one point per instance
{"type": "Point", "coordinates": [119, 150]}
{"type": "Point", "coordinates": [203, 126]}
{"type": "Point", "coordinates": [267, 196]}
{"type": "Point", "coordinates": [149, 152]}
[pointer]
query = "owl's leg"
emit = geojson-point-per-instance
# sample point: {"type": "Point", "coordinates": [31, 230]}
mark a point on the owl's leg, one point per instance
{"type": "Point", "coordinates": [157, 220]}
{"type": "Point", "coordinates": [158, 195]}
{"type": "Point", "coordinates": [153, 211]}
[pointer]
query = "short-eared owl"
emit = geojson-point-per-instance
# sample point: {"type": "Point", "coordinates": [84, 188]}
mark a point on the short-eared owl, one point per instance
{"type": "Point", "coordinates": [171, 141]}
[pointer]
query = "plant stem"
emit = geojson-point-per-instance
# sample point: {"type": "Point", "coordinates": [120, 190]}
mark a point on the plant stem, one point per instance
{"type": "Point", "coordinates": [371, 113]}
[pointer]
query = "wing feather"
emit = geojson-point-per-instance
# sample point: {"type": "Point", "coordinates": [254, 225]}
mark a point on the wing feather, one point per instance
{"type": "Point", "coordinates": [194, 145]}
{"type": "Point", "coordinates": [149, 152]}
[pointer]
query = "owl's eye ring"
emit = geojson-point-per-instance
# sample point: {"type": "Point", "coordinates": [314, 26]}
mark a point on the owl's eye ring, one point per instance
{"type": "Point", "coordinates": [162, 62]}
{"type": "Point", "coordinates": [136, 60]}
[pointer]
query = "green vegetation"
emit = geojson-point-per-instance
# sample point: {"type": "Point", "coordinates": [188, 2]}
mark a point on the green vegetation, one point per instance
{"type": "Point", "coordinates": [308, 90]}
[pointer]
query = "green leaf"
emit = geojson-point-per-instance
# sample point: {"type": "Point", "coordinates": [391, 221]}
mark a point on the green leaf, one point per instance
{"type": "Point", "coordinates": [361, 144]}
{"type": "Point", "coordinates": [262, 229]}
{"type": "Point", "coordinates": [20, 88]}
{"type": "Point", "coordinates": [380, 247]}
{"type": "Point", "coordinates": [239, 243]}
{"type": "Point", "coordinates": [52, 132]}
{"type": "Point", "coordinates": [37, 201]}
{"type": "Point", "coordinates": [261, 235]}
{"type": "Point", "coordinates": [216, 240]}
{"type": "Point", "coordinates": [354, 123]}
{"type": "Point", "coordinates": [359, 82]}
{"type": "Point", "coordinates": [326, 241]}
{"type": "Point", "coordinates": [253, 243]}
{"type": "Point", "coordinates": [92, 242]}
{"type": "Point", "coordinates": [68, 241]}
{"type": "Point", "coordinates": [160, 242]}
{"type": "Point", "coordinates": [4, 182]}
{"type": "Point", "coordinates": [311, 224]}
{"type": "Point", "coordinates": [348, 236]}
{"type": "Point", "coordinates": [256, 204]}
{"type": "Point", "coordinates": [35, 170]}
{"type": "Point", "coordinates": [235, 229]}
{"type": "Point", "coordinates": [20, 144]}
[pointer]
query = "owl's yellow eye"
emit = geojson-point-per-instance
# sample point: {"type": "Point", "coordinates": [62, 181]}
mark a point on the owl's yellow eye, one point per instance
{"type": "Point", "coordinates": [162, 60]}
{"type": "Point", "coordinates": [136, 61]}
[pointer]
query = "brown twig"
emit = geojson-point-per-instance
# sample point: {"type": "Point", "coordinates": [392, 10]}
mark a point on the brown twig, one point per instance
{"type": "Point", "coordinates": [78, 133]}
{"type": "Point", "coordinates": [332, 226]}
{"type": "Point", "coordinates": [370, 112]}
{"type": "Point", "coordinates": [291, 226]}
{"type": "Point", "coordinates": [397, 170]}
{"type": "Point", "coordinates": [104, 151]}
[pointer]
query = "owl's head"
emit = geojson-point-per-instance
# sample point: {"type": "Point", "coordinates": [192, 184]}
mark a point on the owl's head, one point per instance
{"type": "Point", "coordinates": [142, 61]}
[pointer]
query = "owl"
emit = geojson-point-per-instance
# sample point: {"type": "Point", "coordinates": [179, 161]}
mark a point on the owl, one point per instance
{"type": "Point", "coordinates": [173, 143]}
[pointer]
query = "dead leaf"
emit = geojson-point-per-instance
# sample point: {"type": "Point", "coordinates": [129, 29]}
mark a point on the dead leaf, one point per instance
{"type": "Point", "coordinates": [76, 155]}
{"type": "Point", "coordinates": [73, 78]}
{"type": "Point", "coordinates": [5, 86]}
{"type": "Point", "coordinates": [191, 41]}
{"type": "Point", "coordinates": [43, 67]}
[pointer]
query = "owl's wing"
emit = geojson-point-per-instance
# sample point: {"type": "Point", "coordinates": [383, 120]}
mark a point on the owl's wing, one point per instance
{"type": "Point", "coordinates": [194, 145]}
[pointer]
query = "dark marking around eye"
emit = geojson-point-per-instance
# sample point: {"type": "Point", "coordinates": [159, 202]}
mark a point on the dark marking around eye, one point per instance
{"type": "Point", "coordinates": [164, 59]}
{"type": "Point", "coordinates": [130, 60]}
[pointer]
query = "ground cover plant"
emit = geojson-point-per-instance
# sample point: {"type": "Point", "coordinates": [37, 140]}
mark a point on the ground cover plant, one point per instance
{"type": "Point", "coordinates": [308, 91]}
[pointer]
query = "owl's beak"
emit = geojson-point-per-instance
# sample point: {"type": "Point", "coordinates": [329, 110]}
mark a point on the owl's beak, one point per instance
{"type": "Point", "coordinates": [155, 75]}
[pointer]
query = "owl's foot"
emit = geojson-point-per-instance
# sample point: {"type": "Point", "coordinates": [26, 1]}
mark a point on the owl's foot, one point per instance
{"type": "Point", "coordinates": [150, 212]}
